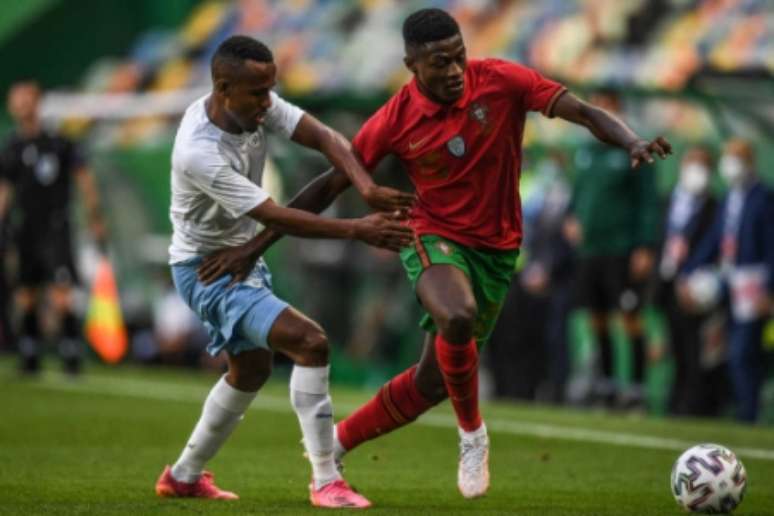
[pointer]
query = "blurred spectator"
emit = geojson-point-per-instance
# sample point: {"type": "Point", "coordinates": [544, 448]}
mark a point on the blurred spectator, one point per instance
{"type": "Point", "coordinates": [741, 241]}
{"type": "Point", "coordinates": [516, 352]}
{"type": "Point", "coordinates": [616, 212]}
{"type": "Point", "coordinates": [528, 352]}
{"type": "Point", "coordinates": [550, 272]}
{"type": "Point", "coordinates": [38, 167]}
{"type": "Point", "coordinates": [697, 388]}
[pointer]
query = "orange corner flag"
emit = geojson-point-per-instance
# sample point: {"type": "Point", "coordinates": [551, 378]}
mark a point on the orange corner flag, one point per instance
{"type": "Point", "coordinates": [105, 329]}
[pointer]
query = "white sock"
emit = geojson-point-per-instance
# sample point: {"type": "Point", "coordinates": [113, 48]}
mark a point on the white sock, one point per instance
{"type": "Point", "coordinates": [223, 409]}
{"type": "Point", "coordinates": [338, 449]}
{"type": "Point", "coordinates": [478, 432]}
{"type": "Point", "coordinates": [312, 403]}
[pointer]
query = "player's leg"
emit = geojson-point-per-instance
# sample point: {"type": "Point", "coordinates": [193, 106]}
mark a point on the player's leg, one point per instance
{"type": "Point", "coordinates": [604, 385]}
{"type": "Point", "coordinates": [429, 379]}
{"type": "Point", "coordinates": [630, 305]}
{"type": "Point", "coordinates": [30, 344]}
{"type": "Point", "coordinates": [602, 288]}
{"type": "Point", "coordinates": [223, 409]}
{"type": "Point", "coordinates": [446, 293]}
{"type": "Point", "coordinates": [238, 320]}
{"type": "Point", "coordinates": [248, 321]}
{"type": "Point", "coordinates": [397, 403]}
{"type": "Point", "coordinates": [69, 346]}
{"type": "Point", "coordinates": [33, 273]}
{"type": "Point", "coordinates": [681, 341]}
{"type": "Point", "coordinates": [402, 400]}
{"type": "Point", "coordinates": [62, 276]}
{"type": "Point", "coordinates": [746, 367]}
{"type": "Point", "coordinates": [306, 344]}
{"type": "Point", "coordinates": [633, 397]}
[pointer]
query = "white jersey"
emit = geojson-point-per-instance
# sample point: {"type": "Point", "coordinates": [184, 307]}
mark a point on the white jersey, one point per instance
{"type": "Point", "coordinates": [216, 179]}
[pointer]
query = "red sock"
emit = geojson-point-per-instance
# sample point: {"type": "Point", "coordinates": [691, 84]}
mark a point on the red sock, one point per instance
{"type": "Point", "coordinates": [397, 403]}
{"type": "Point", "coordinates": [459, 365]}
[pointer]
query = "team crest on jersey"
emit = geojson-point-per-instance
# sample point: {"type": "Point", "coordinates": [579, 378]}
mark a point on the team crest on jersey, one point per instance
{"type": "Point", "coordinates": [479, 113]}
{"type": "Point", "coordinates": [47, 169]}
{"type": "Point", "coordinates": [456, 146]}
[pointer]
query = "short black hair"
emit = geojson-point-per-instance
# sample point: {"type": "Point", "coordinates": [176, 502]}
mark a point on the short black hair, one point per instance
{"type": "Point", "coordinates": [237, 49]}
{"type": "Point", "coordinates": [428, 25]}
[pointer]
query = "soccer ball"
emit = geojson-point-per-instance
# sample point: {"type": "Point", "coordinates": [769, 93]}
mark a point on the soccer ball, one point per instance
{"type": "Point", "coordinates": [708, 478]}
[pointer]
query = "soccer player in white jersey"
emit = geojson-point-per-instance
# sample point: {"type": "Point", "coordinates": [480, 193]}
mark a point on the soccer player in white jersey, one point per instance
{"type": "Point", "coordinates": [217, 163]}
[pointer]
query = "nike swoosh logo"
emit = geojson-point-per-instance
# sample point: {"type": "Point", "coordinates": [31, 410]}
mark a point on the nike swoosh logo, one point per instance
{"type": "Point", "coordinates": [415, 145]}
{"type": "Point", "coordinates": [323, 416]}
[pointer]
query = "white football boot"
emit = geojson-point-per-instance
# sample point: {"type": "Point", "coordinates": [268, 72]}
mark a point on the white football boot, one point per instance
{"type": "Point", "coordinates": [473, 472]}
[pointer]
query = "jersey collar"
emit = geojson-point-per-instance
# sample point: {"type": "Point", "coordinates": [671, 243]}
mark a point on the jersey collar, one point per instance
{"type": "Point", "coordinates": [430, 108]}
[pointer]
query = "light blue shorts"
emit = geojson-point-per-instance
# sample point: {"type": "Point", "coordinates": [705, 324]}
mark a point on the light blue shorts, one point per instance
{"type": "Point", "coordinates": [238, 318]}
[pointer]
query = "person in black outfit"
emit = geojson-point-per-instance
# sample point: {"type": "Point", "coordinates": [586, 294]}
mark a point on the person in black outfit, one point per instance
{"type": "Point", "coordinates": [696, 391]}
{"type": "Point", "coordinates": [6, 335]}
{"type": "Point", "coordinates": [38, 170]}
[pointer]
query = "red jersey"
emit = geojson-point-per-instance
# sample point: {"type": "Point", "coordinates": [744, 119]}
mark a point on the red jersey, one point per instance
{"type": "Point", "coordinates": [464, 159]}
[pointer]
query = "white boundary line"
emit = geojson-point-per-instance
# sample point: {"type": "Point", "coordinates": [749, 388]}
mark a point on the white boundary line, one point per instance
{"type": "Point", "coordinates": [168, 391]}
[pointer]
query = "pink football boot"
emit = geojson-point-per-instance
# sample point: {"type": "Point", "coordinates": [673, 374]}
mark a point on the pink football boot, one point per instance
{"type": "Point", "coordinates": [337, 495]}
{"type": "Point", "coordinates": [203, 488]}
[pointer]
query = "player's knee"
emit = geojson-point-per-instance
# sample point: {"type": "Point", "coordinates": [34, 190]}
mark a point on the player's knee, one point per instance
{"type": "Point", "coordinates": [456, 323]}
{"type": "Point", "coordinates": [314, 347]}
{"type": "Point", "coordinates": [250, 379]}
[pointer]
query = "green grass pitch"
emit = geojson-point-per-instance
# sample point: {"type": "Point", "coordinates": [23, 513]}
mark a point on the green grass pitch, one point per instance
{"type": "Point", "coordinates": [97, 445]}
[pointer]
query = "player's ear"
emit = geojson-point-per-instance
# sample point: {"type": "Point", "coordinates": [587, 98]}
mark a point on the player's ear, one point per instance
{"type": "Point", "coordinates": [221, 86]}
{"type": "Point", "coordinates": [410, 61]}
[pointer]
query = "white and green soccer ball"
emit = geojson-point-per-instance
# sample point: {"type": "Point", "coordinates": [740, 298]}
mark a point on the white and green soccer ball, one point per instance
{"type": "Point", "coordinates": [709, 479]}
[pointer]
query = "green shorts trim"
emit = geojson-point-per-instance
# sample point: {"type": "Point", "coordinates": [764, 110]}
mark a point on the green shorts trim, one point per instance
{"type": "Point", "coordinates": [490, 274]}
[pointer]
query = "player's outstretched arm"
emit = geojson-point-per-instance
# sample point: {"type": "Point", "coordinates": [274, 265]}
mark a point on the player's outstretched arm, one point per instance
{"type": "Point", "coordinates": [609, 129]}
{"type": "Point", "coordinates": [385, 230]}
{"type": "Point", "coordinates": [312, 133]}
{"type": "Point", "coordinates": [378, 229]}
{"type": "Point", "coordinates": [314, 197]}
{"type": "Point", "coordinates": [238, 261]}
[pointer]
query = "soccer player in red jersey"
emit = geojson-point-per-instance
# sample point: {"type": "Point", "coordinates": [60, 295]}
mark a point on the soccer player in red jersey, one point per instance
{"type": "Point", "coordinates": [457, 128]}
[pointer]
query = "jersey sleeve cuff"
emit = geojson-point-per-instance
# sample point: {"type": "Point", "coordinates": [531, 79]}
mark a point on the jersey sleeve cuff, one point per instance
{"type": "Point", "coordinates": [250, 205]}
{"type": "Point", "coordinates": [549, 109]}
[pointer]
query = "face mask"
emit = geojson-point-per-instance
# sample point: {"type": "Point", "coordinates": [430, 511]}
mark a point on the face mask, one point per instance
{"type": "Point", "coordinates": [694, 178]}
{"type": "Point", "coordinates": [733, 170]}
